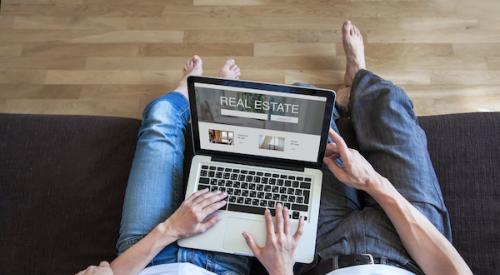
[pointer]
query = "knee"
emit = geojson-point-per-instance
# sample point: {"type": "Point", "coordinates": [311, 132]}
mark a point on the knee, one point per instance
{"type": "Point", "coordinates": [172, 107]}
{"type": "Point", "coordinates": [159, 110]}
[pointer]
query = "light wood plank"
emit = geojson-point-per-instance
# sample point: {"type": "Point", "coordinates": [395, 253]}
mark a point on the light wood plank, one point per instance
{"type": "Point", "coordinates": [203, 49]}
{"type": "Point", "coordinates": [246, 63]}
{"type": "Point", "coordinates": [42, 62]}
{"type": "Point", "coordinates": [271, 35]}
{"type": "Point", "coordinates": [39, 91]}
{"type": "Point", "coordinates": [229, 3]}
{"type": "Point", "coordinates": [133, 36]}
{"type": "Point", "coordinates": [11, 49]}
{"type": "Point", "coordinates": [458, 77]}
{"type": "Point", "coordinates": [22, 76]}
{"type": "Point", "coordinates": [294, 49]}
{"type": "Point", "coordinates": [80, 49]}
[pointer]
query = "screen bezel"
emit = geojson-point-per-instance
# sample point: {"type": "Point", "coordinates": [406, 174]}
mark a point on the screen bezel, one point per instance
{"type": "Point", "coordinates": [330, 100]}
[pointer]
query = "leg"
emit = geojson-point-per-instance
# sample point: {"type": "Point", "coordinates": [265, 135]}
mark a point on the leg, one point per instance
{"type": "Point", "coordinates": [338, 201]}
{"type": "Point", "coordinates": [390, 138]}
{"type": "Point", "coordinates": [155, 187]}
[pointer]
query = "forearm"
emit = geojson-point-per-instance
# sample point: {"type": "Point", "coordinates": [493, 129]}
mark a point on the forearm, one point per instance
{"type": "Point", "coordinates": [425, 244]}
{"type": "Point", "coordinates": [134, 259]}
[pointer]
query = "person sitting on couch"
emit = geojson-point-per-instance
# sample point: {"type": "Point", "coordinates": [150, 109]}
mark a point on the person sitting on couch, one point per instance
{"type": "Point", "coordinates": [380, 205]}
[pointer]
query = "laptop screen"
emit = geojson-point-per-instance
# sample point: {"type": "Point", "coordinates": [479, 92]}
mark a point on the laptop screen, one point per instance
{"type": "Point", "coordinates": [258, 122]}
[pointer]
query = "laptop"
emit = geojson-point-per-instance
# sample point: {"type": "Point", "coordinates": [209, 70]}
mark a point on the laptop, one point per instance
{"type": "Point", "coordinates": [263, 144]}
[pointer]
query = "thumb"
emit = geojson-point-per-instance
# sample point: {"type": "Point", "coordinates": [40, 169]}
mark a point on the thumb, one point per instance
{"type": "Point", "coordinates": [332, 166]}
{"type": "Point", "coordinates": [210, 223]}
{"type": "Point", "coordinates": [251, 243]}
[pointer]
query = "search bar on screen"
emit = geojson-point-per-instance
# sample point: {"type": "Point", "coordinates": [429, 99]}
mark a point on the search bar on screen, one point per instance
{"type": "Point", "coordinates": [227, 112]}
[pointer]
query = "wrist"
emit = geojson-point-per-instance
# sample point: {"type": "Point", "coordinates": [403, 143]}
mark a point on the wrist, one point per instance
{"type": "Point", "coordinates": [282, 272]}
{"type": "Point", "coordinates": [287, 270]}
{"type": "Point", "coordinates": [377, 185]}
{"type": "Point", "coordinates": [167, 231]}
{"type": "Point", "coordinates": [381, 188]}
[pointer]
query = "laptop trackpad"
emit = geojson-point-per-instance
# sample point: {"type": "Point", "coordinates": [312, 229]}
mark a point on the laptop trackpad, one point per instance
{"type": "Point", "coordinates": [234, 241]}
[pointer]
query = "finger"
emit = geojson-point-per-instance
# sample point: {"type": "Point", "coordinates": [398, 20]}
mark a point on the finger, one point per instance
{"type": "Point", "coordinates": [331, 149]}
{"type": "Point", "coordinates": [341, 145]}
{"type": "Point", "coordinates": [279, 218]}
{"type": "Point", "coordinates": [212, 208]}
{"type": "Point", "coordinates": [216, 197]}
{"type": "Point", "coordinates": [285, 220]}
{"type": "Point", "coordinates": [334, 168]}
{"type": "Point", "coordinates": [204, 197]}
{"type": "Point", "coordinates": [197, 194]}
{"type": "Point", "coordinates": [210, 223]}
{"type": "Point", "coordinates": [104, 264]}
{"type": "Point", "coordinates": [300, 230]}
{"type": "Point", "coordinates": [269, 225]}
{"type": "Point", "coordinates": [251, 243]}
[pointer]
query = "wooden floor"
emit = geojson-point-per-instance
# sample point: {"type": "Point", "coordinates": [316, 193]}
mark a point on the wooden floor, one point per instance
{"type": "Point", "coordinates": [110, 57]}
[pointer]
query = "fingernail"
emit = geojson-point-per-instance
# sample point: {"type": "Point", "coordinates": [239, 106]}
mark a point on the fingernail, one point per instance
{"type": "Point", "coordinates": [267, 210]}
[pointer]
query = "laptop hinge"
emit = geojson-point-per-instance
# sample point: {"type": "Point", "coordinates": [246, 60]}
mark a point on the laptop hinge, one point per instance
{"type": "Point", "coordinates": [267, 164]}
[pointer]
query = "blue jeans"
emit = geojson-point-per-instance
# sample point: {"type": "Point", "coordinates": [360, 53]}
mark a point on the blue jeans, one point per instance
{"type": "Point", "coordinates": [155, 188]}
{"type": "Point", "coordinates": [389, 137]}
{"type": "Point", "coordinates": [350, 221]}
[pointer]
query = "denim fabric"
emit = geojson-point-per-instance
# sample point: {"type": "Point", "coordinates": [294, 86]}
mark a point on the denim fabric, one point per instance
{"type": "Point", "coordinates": [350, 221]}
{"type": "Point", "coordinates": [389, 137]}
{"type": "Point", "coordinates": [155, 187]}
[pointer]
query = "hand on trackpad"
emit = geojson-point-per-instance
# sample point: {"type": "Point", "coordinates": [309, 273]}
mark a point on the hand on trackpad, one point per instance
{"type": "Point", "coordinates": [234, 241]}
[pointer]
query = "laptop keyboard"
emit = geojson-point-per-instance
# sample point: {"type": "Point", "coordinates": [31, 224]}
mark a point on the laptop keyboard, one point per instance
{"type": "Point", "coordinates": [252, 191]}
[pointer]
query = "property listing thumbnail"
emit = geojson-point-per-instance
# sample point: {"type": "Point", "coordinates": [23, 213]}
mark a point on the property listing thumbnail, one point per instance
{"type": "Point", "coordinates": [272, 143]}
{"type": "Point", "coordinates": [257, 122]}
{"type": "Point", "coordinates": [220, 137]}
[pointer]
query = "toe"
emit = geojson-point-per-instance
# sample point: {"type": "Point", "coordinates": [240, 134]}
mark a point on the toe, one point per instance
{"type": "Point", "coordinates": [356, 30]}
{"type": "Point", "coordinates": [233, 67]}
{"type": "Point", "coordinates": [346, 27]}
{"type": "Point", "coordinates": [230, 62]}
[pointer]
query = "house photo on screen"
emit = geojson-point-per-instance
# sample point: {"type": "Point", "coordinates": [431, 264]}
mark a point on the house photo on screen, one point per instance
{"type": "Point", "coordinates": [221, 137]}
{"type": "Point", "coordinates": [272, 143]}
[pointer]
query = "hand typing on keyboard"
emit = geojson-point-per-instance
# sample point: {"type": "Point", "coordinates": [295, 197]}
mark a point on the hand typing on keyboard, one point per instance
{"type": "Point", "coordinates": [277, 255]}
{"type": "Point", "coordinates": [191, 217]}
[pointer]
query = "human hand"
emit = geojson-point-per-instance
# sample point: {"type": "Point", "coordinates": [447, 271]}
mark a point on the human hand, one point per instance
{"type": "Point", "coordinates": [102, 269]}
{"type": "Point", "coordinates": [193, 216]}
{"type": "Point", "coordinates": [356, 171]}
{"type": "Point", "coordinates": [277, 255]}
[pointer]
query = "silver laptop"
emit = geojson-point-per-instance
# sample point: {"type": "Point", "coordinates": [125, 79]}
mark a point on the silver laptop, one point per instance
{"type": "Point", "coordinates": [263, 144]}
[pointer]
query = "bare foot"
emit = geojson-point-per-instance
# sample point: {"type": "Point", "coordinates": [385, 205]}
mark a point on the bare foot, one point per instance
{"type": "Point", "coordinates": [354, 51]}
{"type": "Point", "coordinates": [193, 66]}
{"type": "Point", "coordinates": [230, 70]}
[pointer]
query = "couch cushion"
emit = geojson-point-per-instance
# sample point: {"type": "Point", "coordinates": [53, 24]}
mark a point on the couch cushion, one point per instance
{"type": "Point", "coordinates": [62, 181]}
{"type": "Point", "coordinates": [465, 152]}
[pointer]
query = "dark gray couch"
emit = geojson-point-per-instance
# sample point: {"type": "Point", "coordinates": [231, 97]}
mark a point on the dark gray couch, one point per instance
{"type": "Point", "coordinates": [62, 181]}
